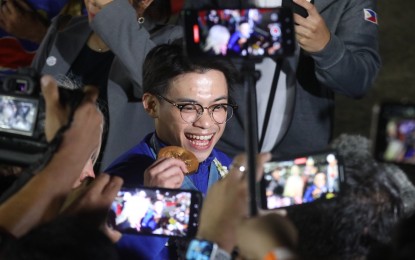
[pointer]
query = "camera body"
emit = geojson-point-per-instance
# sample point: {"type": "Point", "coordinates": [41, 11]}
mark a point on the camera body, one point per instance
{"type": "Point", "coordinates": [22, 119]}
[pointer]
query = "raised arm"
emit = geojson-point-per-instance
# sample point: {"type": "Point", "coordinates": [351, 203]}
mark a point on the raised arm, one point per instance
{"type": "Point", "coordinates": [344, 48]}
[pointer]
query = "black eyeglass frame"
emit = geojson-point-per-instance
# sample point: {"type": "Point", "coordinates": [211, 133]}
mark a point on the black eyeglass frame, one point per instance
{"type": "Point", "coordinates": [181, 106]}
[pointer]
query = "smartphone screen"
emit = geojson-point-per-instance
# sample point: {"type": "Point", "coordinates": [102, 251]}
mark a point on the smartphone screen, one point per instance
{"type": "Point", "coordinates": [302, 179]}
{"type": "Point", "coordinates": [393, 133]}
{"type": "Point", "coordinates": [249, 33]}
{"type": "Point", "coordinates": [18, 115]}
{"type": "Point", "coordinates": [156, 211]}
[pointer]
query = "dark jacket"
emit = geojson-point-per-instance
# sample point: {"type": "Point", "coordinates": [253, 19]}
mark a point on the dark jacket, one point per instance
{"type": "Point", "coordinates": [117, 25]}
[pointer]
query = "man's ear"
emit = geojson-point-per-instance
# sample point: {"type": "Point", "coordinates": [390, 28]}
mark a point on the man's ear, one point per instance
{"type": "Point", "coordinates": [151, 104]}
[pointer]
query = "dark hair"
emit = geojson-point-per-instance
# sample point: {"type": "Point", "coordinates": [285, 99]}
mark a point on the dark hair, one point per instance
{"type": "Point", "coordinates": [363, 216]}
{"type": "Point", "coordinates": [403, 246]}
{"type": "Point", "coordinates": [65, 238]}
{"type": "Point", "coordinates": [167, 61]}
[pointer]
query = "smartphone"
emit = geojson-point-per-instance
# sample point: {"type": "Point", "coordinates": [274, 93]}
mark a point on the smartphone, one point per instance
{"type": "Point", "coordinates": [301, 179]}
{"type": "Point", "coordinates": [393, 132]}
{"type": "Point", "coordinates": [156, 211]}
{"type": "Point", "coordinates": [239, 33]}
{"type": "Point", "coordinates": [296, 8]}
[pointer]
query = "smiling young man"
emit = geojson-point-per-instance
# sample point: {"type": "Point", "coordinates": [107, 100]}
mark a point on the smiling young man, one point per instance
{"type": "Point", "coordinates": [188, 98]}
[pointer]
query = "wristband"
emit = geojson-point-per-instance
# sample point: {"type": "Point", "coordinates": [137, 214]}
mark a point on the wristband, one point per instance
{"type": "Point", "coordinates": [205, 250]}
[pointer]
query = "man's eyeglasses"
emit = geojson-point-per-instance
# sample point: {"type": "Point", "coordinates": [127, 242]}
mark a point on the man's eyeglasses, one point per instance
{"type": "Point", "coordinates": [191, 112]}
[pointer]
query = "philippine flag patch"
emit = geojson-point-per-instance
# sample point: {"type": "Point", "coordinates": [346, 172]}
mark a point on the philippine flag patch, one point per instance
{"type": "Point", "coordinates": [370, 16]}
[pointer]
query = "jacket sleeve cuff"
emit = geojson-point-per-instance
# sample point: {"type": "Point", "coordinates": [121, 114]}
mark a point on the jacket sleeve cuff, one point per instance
{"type": "Point", "coordinates": [331, 54]}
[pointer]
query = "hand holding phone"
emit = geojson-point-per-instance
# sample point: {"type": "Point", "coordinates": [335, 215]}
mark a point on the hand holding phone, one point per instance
{"type": "Point", "coordinates": [296, 8]}
{"type": "Point", "coordinates": [311, 30]}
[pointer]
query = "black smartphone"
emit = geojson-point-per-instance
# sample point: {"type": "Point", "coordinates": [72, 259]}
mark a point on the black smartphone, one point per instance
{"type": "Point", "coordinates": [156, 211]}
{"type": "Point", "coordinates": [244, 33]}
{"type": "Point", "coordinates": [295, 7]}
{"type": "Point", "coordinates": [301, 179]}
{"type": "Point", "coordinates": [393, 132]}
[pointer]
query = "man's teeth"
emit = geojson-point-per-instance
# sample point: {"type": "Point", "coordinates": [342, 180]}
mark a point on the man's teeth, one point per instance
{"type": "Point", "coordinates": [200, 137]}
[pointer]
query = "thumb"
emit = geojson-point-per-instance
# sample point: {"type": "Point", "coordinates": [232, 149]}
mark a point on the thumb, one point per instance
{"type": "Point", "coordinates": [49, 88]}
{"type": "Point", "coordinates": [56, 115]}
{"type": "Point", "coordinates": [91, 93]}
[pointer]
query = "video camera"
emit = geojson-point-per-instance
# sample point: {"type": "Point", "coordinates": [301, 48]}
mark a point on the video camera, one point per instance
{"type": "Point", "coordinates": [22, 117]}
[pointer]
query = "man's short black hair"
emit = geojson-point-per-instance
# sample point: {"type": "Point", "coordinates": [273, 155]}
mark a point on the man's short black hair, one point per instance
{"type": "Point", "coordinates": [167, 61]}
{"type": "Point", "coordinates": [363, 216]}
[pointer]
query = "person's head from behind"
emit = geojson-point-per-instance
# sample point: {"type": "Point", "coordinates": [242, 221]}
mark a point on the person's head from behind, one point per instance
{"type": "Point", "coordinates": [188, 98]}
{"type": "Point", "coordinates": [361, 216]}
{"type": "Point", "coordinates": [217, 39]}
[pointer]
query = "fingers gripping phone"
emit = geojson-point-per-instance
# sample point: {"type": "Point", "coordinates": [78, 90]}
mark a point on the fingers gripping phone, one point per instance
{"type": "Point", "coordinates": [239, 33]}
{"type": "Point", "coordinates": [296, 8]}
{"type": "Point", "coordinates": [302, 179]}
{"type": "Point", "coordinates": [156, 211]}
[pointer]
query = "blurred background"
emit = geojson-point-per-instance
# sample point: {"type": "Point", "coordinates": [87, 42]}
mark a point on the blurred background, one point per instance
{"type": "Point", "coordinates": [396, 80]}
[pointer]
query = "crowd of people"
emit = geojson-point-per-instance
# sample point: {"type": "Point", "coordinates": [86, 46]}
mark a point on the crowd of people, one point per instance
{"type": "Point", "coordinates": [141, 93]}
